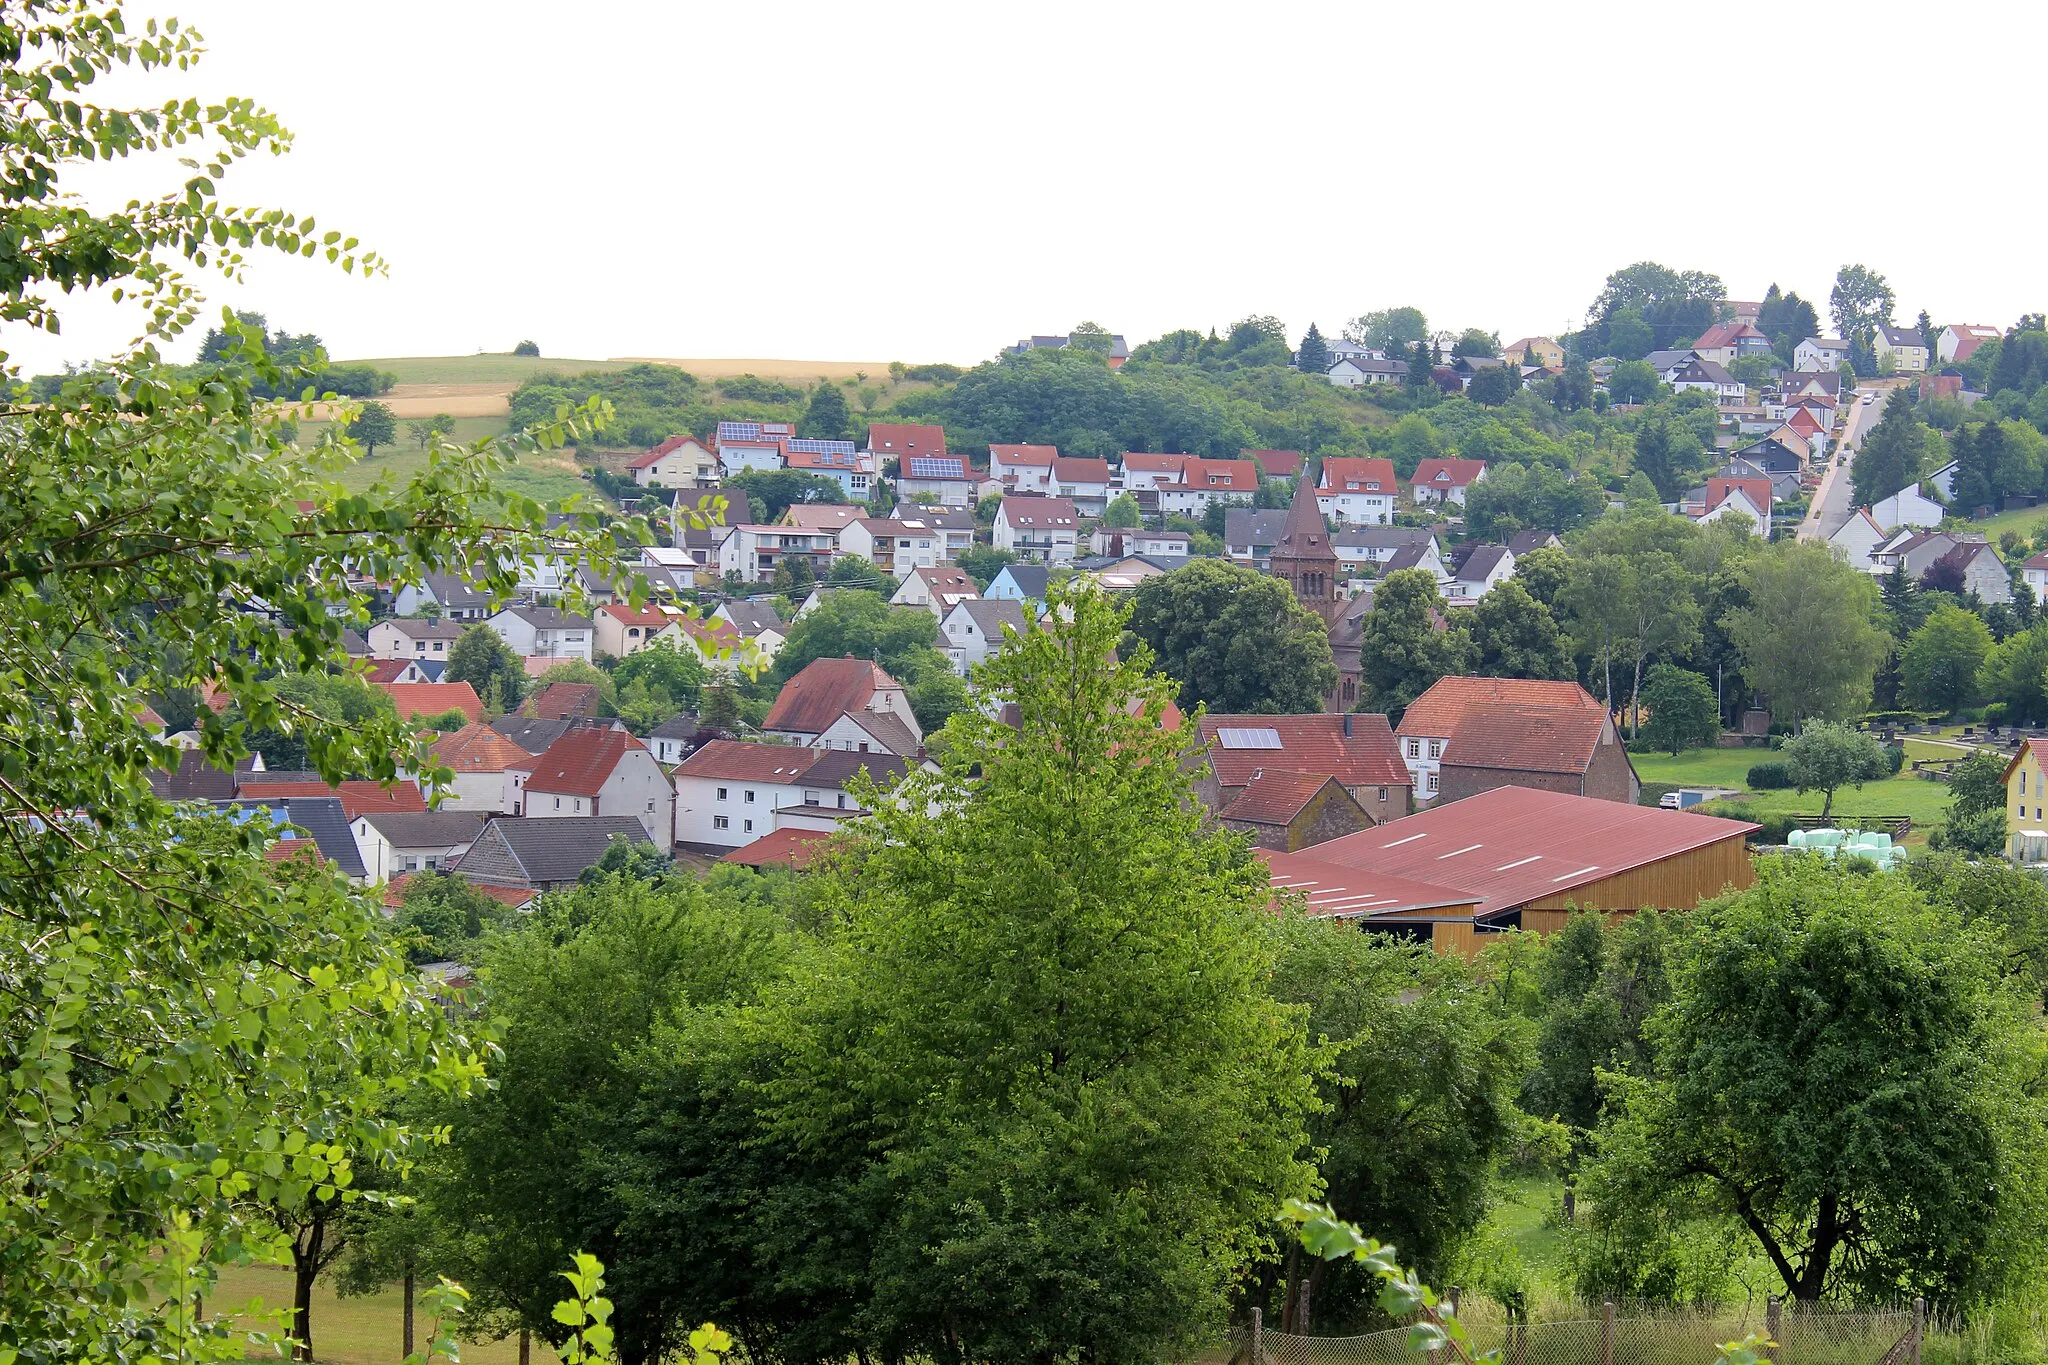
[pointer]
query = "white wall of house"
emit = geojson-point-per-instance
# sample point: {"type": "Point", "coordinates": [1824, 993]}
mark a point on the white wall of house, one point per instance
{"type": "Point", "coordinates": [382, 861]}
{"type": "Point", "coordinates": [1047, 545]}
{"type": "Point", "coordinates": [390, 640]}
{"type": "Point", "coordinates": [487, 793]}
{"type": "Point", "coordinates": [726, 812]}
{"type": "Point", "coordinates": [1908, 507]}
{"type": "Point", "coordinates": [1357, 508]}
{"type": "Point", "coordinates": [548, 642]}
{"type": "Point", "coordinates": [1854, 541]}
{"type": "Point", "coordinates": [637, 786]}
{"type": "Point", "coordinates": [735, 456]}
{"type": "Point", "coordinates": [687, 466]}
{"type": "Point", "coordinates": [1807, 356]}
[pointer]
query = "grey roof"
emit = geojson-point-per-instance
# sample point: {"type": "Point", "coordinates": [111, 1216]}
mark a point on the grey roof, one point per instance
{"type": "Point", "coordinates": [550, 618]}
{"type": "Point", "coordinates": [323, 819]}
{"type": "Point", "coordinates": [1533, 539]}
{"type": "Point", "coordinates": [681, 725]}
{"type": "Point", "coordinates": [751, 618]}
{"type": "Point", "coordinates": [451, 591]}
{"type": "Point", "coordinates": [531, 733]}
{"type": "Point", "coordinates": [432, 829]}
{"type": "Point", "coordinates": [1366, 364]}
{"type": "Point", "coordinates": [1826, 343]}
{"type": "Point", "coordinates": [1381, 537]}
{"type": "Point", "coordinates": [1479, 561]}
{"type": "Point", "coordinates": [1665, 361]}
{"type": "Point", "coordinates": [419, 628]}
{"type": "Point", "coordinates": [1407, 557]}
{"type": "Point", "coordinates": [1901, 336]}
{"type": "Point", "coordinates": [939, 518]}
{"type": "Point", "coordinates": [511, 851]}
{"type": "Point", "coordinates": [196, 779]}
{"type": "Point", "coordinates": [433, 668]}
{"type": "Point", "coordinates": [1696, 371]}
{"type": "Point", "coordinates": [1031, 579]}
{"type": "Point", "coordinates": [991, 614]}
{"type": "Point", "coordinates": [889, 731]}
{"type": "Point", "coordinates": [1245, 526]}
{"type": "Point", "coordinates": [354, 645]}
{"type": "Point", "coordinates": [838, 766]}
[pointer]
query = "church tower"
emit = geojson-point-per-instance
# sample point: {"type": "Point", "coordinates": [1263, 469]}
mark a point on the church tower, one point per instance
{"type": "Point", "coordinates": [1304, 556]}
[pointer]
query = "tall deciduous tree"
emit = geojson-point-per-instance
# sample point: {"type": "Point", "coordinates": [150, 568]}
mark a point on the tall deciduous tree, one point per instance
{"type": "Point", "coordinates": [1407, 642]}
{"type": "Point", "coordinates": [482, 658]}
{"type": "Point", "coordinates": [1859, 301]}
{"type": "Point", "coordinates": [1597, 987]}
{"type": "Point", "coordinates": [1683, 711]}
{"type": "Point", "coordinates": [1387, 328]}
{"type": "Point", "coordinates": [1894, 455]}
{"type": "Point", "coordinates": [1515, 636]}
{"type": "Point", "coordinates": [1806, 636]}
{"type": "Point", "coordinates": [1941, 660]}
{"type": "Point", "coordinates": [826, 416]}
{"type": "Point", "coordinates": [1235, 639]}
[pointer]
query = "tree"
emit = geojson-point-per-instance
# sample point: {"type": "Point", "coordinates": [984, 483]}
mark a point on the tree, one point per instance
{"type": "Point", "coordinates": [1515, 636]}
{"type": "Point", "coordinates": [1066, 1089]}
{"type": "Point", "coordinates": [1406, 643]}
{"type": "Point", "coordinates": [1420, 382]}
{"type": "Point", "coordinates": [1942, 659]}
{"type": "Point", "coordinates": [1671, 307]}
{"type": "Point", "coordinates": [1122, 511]}
{"type": "Point", "coordinates": [1826, 756]}
{"type": "Point", "coordinates": [1314, 355]}
{"type": "Point", "coordinates": [825, 415]}
{"type": "Point", "coordinates": [1754, 369]}
{"type": "Point", "coordinates": [673, 678]}
{"type": "Point", "coordinates": [1841, 1073]}
{"type": "Point", "coordinates": [1976, 810]}
{"type": "Point", "coordinates": [1859, 301]}
{"type": "Point", "coordinates": [1894, 455]}
{"type": "Point", "coordinates": [1597, 985]}
{"type": "Point", "coordinates": [373, 426]}
{"type": "Point", "coordinates": [982, 563]}
{"type": "Point", "coordinates": [1234, 639]}
{"type": "Point", "coordinates": [1634, 381]}
{"type": "Point", "coordinates": [1494, 385]}
{"type": "Point", "coordinates": [1388, 328]}
{"type": "Point", "coordinates": [1683, 711]}
{"type": "Point", "coordinates": [1668, 449]}
{"type": "Point", "coordinates": [1474, 341]}
{"type": "Point", "coordinates": [433, 429]}
{"type": "Point", "coordinates": [1543, 573]}
{"type": "Point", "coordinates": [527, 349]}
{"type": "Point", "coordinates": [1806, 637]}
{"type": "Point", "coordinates": [2015, 674]}
{"type": "Point", "coordinates": [1629, 337]}
{"type": "Point", "coordinates": [482, 658]}
{"type": "Point", "coordinates": [1572, 391]}
{"type": "Point", "coordinates": [1091, 336]}
{"type": "Point", "coordinates": [718, 709]}
{"type": "Point", "coordinates": [777, 490]}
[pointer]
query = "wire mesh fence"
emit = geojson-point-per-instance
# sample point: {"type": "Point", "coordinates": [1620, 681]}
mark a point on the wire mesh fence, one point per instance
{"type": "Point", "coordinates": [1804, 1338]}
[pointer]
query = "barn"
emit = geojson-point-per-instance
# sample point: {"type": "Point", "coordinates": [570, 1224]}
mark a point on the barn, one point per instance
{"type": "Point", "coordinates": [1516, 858]}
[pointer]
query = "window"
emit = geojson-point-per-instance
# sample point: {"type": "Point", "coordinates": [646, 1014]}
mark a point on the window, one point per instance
{"type": "Point", "coordinates": [650, 805]}
{"type": "Point", "coordinates": [721, 793]}
{"type": "Point", "coordinates": [842, 800]}
{"type": "Point", "coordinates": [1432, 782]}
{"type": "Point", "coordinates": [749, 798]}
{"type": "Point", "coordinates": [720, 822]}
{"type": "Point", "coordinates": [748, 825]}
{"type": "Point", "coordinates": [1436, 748]}
{"type": "Point", "coordinates": [558, 803]}
{"type": "Point", "coordinates": [1414, 751]}
{"type": "Point", "coordinates": [1383, 793]}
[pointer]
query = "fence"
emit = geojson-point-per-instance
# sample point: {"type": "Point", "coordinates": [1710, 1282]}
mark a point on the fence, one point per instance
{"type": "Point", "coordinates": [1804, 1338]}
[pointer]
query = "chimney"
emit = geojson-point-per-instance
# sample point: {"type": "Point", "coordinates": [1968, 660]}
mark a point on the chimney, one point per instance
{"type": "Point", "coordinates": [1347, 725]}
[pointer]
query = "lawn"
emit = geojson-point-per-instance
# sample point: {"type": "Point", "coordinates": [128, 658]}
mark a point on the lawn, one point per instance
{"type": "Point", "coordinates": [2027, 521]}
{"type": "Point", "coordinates": [357, 1331]}
{"type": "Point", "coordinates": [548, 476]}
{"type": "Point", "coordinates": [1926, 802]}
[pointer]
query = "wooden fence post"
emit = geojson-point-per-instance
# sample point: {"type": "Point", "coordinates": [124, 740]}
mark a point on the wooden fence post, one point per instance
{"type": "Point", "coordinates": [1919, 1331]}
{"type": "Point", "coordinates": [1607, 1333]}
{"type": "Point", "coordinates": [1301, 1318]}
{"type": "Point", "coordinates": [1258, 1355]}
{"type": "Point", "coordinates": [1773, 1309]}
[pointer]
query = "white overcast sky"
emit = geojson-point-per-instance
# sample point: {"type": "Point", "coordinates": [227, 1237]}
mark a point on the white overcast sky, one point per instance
{"type": "Point", "coordinates": [928, 182]}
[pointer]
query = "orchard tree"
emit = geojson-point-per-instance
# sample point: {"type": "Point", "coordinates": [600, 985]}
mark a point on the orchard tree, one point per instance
{"type": "Point", "coordinates": [1683, 711]}
{"type": "Point", "coordinates": [372, 426]}
{"type": "Point", "coordinates": [1826, 756]}
{"type": "Point", "coordinates": [1234, 639]}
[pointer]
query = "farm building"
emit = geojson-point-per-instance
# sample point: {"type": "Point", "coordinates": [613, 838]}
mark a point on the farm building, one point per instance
{"type": "Point", "coordinates": [1516, 858]}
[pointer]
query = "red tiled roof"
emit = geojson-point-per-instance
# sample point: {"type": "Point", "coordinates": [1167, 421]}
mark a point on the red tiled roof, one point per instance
{"type": "Point", "coordinates": [905, 439]}
{"type": "Point", "coordinates": [1336, 892]}
{"type": "Point", "coordinates": [1074, 469]}
{"type": "Point", "coordinates": [948, 582]}
{"type": "Point", "coordinates": [1278, 464]}
{"type": "Point", "coordinates": [1275, 796]}
{"type": "Point", "coordinates": [653, 456]}
{"type": "Point", "coordinates": [1942, 386]}
{"type": "Point", "coordinates": [1448, 473]}
{"type": "Point", "coordinates": [1232, 476]}
{"type": "Point", "coordinates": [1967, 346]}
{"type": "Point", "coordinates": [1146, 462]}
{"type": "Point", "coordinates": [635, 616]}
{"type": "Point", "coordinates": [518, 897]}
{"type": "Point", "coordinates": [1512, 845]}
{"type": "Point", "coordinates": [385, 670]}
{"type": "Point", "coordinates": [796, 848]}
{"type": "Point", "coordinates": [1538, 739]}
{"type": "Point", "coordinates": [1758, 491]}
{"type": "Point", "coordinates": [284, 850]}
{"type": "Point", "coordinates": [1343, 475]}
{"type": "Point", "coordinates": [821, 516]}
{"type": "Point", "coordinates": [578, 763]}
{"type": "Point", "coordinates": [432, 699]}
{"type": "Point", "coordinates": [562, 701]}
{"type": "Point", "coordinates": [1040, 513]}
{"type": "Point", "coordinates": [1439, 710]}
{"type": "Point", "coordinates": [357, 797]}
{"type": "Point", "coordinates": [148, 719]}
{"type": "Point", "coordinates": [737, 761]}
{"type": "Point", "coordinates": [824, 691]}
{"type": "Point", "coordinates": [1724, 334]}
{"type": "Point", "coordinates": [1032, 455]}
{"type": "Point", "coordinates": [1368, 757]}
{"type": "Point", "coordinates": [477, 748]}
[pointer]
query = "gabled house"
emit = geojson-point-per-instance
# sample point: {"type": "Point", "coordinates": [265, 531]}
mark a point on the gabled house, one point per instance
{"type": "Point", "coordinates": [1274, 464]}
{"type": "Point", "coordinates": [923, 464]}
{"type": "Point", "coordinates": [1358, 372]}
{"type": "Point", "coordinates": [1429, 724]}
{"type": "Point", "coordinates": [1710, 377]}
{"type": "Point", "coordinates": [1118, 541]}
{"type": "Point", "coordinates": [1574, 750]}
{"type": "Point", "coordinates": [1726, 342]}
{"type": "Point", "coordinates": [1855, 539]}
{"type": "Point", "coordinates": [1203, 482]}
{"type": "Point", "coordinates": [751, 445]}
{"type": "Point", "coordinates": [2034, 573]}
{"type": "Point", "coordinates": [1904, 345]}
{"type": "Point", "coordinates": [1249, 535]}
{"type": "Point", "coordinates": [1085, 483]}
{"type": "Point", "coordinates": [1822, 384]}
{"type": "Point", "coordinates": [938, 590]}
{"type": "Point", "coordinates": [756, 621]}
{"type": "Point", "coordinates": [618, 630]}
{"type": "Point", "coordinates": [676, 738]}
{"type": "Point", "coordinates": [1912, 550]}
{"type": "Point", "coordinates": [1414, 546]}
{"type": "Point", "coordinates": [1355, 492]}
{"type": "Point", "coordinates": [1978, 568]}
{"type": "Point", "coordinates": [1022, 468]}
{"type": "Point", "coordinates": [753, 552]}
{"type": "Point", "coordinates": [433, 699]}
{"type": "Point", "coordinates": [1533, 351]}
{"type": "Point", "coordinates": [1727, 498]}
{"type": "Point", "coordinates": [1445, 480]}
{"type": "Point", "coordinates": [848, 704]}
{"type": "Point", "coordinates": [1144, 469]}
{"type": "Point", "coordinates": [1533, 539]}
{"type": "Point", "coordinates": [1477, 570]}
{"type": "Point", "coordinates": [729, 795]}
{"type": "Point", "coordinates": [480, 758]}
{"type": "Point", "coordinates": [678, 462]}
{"type": "Point", "coordinates": [1910, 506]}
{"type": "Point", "coordinates": [564, 701]}
{"type": "Point", "coordinates": [973, 630]}
{"type": "Point", "coordinates": [1024, 583]}
{"type": "Point", "coordinates": [1288, 811]}
{"type": "Point", "coordinates": [1117, 354]}
{"type": "Point", "coordinates": [545, 855]}
{"type": "Point", "coordinates": [410, 638]}
{"type": "Point", "coordinates": [450, 593]}
{"type": "Point", "coordinates": [837, 460]}
{"type": "Point", "coordinates": [954, 527]}
{"type": "Point", "coordinates": [949, 479]}
{"type": "Point", "coordinates": [1357, 749]}
{"type": "Point", "coordinates": [1958, 340]}
{"type": "Point", "coordinates": [592, 772]}
{"type": "Point", "coordinates": [1038, 530]}
{"type": "Point", "coordinates": [545, 632]}
{"type": "Point", "coordinates": [392, 843]}
{"type": "Point", "coordinates": [821, 516]}
{"type": "Point", "coordinates": [894, 547]}
{"type": "Point", "coordinates": [1820, 353]}
{"type": "Point", "coordinates": [904, 441]}
{"type": "Point", "coordinates": [399, 670]}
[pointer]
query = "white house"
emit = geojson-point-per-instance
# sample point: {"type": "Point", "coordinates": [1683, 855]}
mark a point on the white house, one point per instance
{"type": "Point", "coordinates": [591, 771]}
{"type": "Point", "coordinates": [1144, 469]}
{"type": "Point", "coordinates": [482, 761]}
{"type": "Point", "coordinates": [2035, 574]}
{"type": "Point", "coordinates": [1959, 339]}
{"type": "Point", "coordinates": [1855, 538]}
{"type": "Point", "coordinates": [546, 632]}
{"type": "Point", "coordinates": [1445, 480]}
{"type": "Point", "coordinates": [1484, 567]}
{"type": "Point", "coordinates": [752, 552]}
{"type": "Point", "coordinates": [1356, 492]}
{"type": "Point", "coordinates": [894, 547]}
{"type": "Point", "coordinates": [678, 462]}
{"type": "Point", "coordinates": [1357, 372]}
{"type": "Point", "coordinates": [1710, 377]}
{"type": "Point", "coordinates": [938, 590]}
{"type": "Point", "coordinates": [973, 631]}
{"type": "Point", "coordinates": [405, 638]}
{"type": "Point", "coordinates": [1120, 541]}
{"type": "Point", "coordinates": [1361, 545]}
{"type": "Point", "coordinates": [412, 841]}
{"type": "Point", "coordinates": [1736, 502]}
{"type": "Point", "coordinates": [1025, 469]}
{"type": "Point", "coordinates": [1905, 345]}
{"type": "Point", "coordinates": [1908, 507]}
{"type": "Point", "coordinates": [758, 623]}
{"type": "Point", "coordinates": [1204, 482]}
{"type": "Point", "coordinates": [751, 445]}
{"type": "Point", "coordinates": [619, 630]}
{"type": "Point", "coordinates": [954, 526]}
{"type": "Point", "coordinates": [455, 598]}
{"type": "Point", "coordinates": [674, 739]}
{"type": "Point", "coordinates": [1041, 530]}
{"type": "Point", "coordinates": [1820, 353]}
{"type": "Point", "coordinates": [1085, 483]}
{"type": "Point", "coordinates": [728, 794]}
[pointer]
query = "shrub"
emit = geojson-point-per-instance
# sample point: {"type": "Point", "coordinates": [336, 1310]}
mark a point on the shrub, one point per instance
{"type": "Point", "coordinates": [1895, 757]}
{"type": "Point", "coordinates": [750, 388]}
{"type": "Point", "coordinates": [1981, 835]}
{"type": "Point", "coordinates": [1774, 775]}
{"type": "Point", "coordinates": [530, 349]}
{"type": "Point", "coordinates": [934, 374]}
{"type": "Point", "coordinates": [1996, 713]}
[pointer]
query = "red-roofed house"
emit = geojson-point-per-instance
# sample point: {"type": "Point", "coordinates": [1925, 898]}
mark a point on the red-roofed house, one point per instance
{"type": "Point", "coordinates": [1427, 726]}
{"type": "Point", "coordinates": [1357, 492]}
{"type": "Point", "coordinates": [903, 440]}
{"type": "Point", "coordinates": [1727, 342]}
{"type": "Point", "coordinates": [358, 798]}
{"type": "Point", "coordinates": [924, 466]}
{"type": "Point", "coordinates": [1439, 480]}
{"type": "Point", "coordinates": [563, 701]}
{"type": "Point", "coordinates": [434, 699]}
{"type": "Point", "coordinates": [1085, 483]}
{"type": "Point", "coordinates": [393, 671]}
{"type": "Point", "coordinates": [480, 758]}
{"type": "Point", "coordinates": [1027, 469]}
{"type": "Point", "coordinates": [1287, 811]}
{"type": "Point", "coordinates": [1275, 464]}
{"type": "Point", "coordinates": [1037, 530]}
{"type": "Point", "coordinates": [1942, 386]}
{"type": "Point", "coordinates": [1958, 340]}
{"type": "Point", "coordinates": [678, 462]}
{"type": "Point", "coordinates": [621, 630]}
{"type": "Point", "coordinates": [797, 848]}
{"type": "Point", "coordinates": [938, 590]}
{"type": "Point", "coordinates": [1356, 748]}
{"type": "Point", "coordinates": [1203, 482]}
{"type": "Point", "coordinates": [1146, 469]}
{"type": "Point", "coordinates": [729, 794]}
{"type": "Point", "coordinates": [1551, 748]}
{"type": "Point", "coordinates": [591, 771]}
{"type": "Point", "coordinates": [848, 704]}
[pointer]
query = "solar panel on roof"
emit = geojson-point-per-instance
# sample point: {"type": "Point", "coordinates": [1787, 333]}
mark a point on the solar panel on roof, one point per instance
{"type": "Point", "coordinates": [1262, 737]}
{"type": "Point", "coordinates": [935, 467]}
{"type": "Point", "coordinates": [739, 431]}
{"type": "Point", "coordinates": [811, 445]}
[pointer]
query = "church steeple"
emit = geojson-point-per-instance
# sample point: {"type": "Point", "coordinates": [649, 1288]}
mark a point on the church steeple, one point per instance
{"type": "Point", "coordinates": [1304, 556]}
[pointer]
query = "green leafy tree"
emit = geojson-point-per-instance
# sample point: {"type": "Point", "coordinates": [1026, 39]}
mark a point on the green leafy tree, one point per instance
{"type": "Point", "coordinates": [1805, 635]}
{"type": "Point", "coordinates": [1407, 642]}
{"type": "Point", "coordinates": [1894, 455]}
{"type": "Point", "coordinates": [435, 428]}
{"type": "Point", "coordinates": [2015, 674]}
{"type": "Point", "coordinates": [1634, 381]}
{"type": "Point", "coordinates": [1234, 639]}
{"type": "Point", "coordinates": [443, 918]}
{"type": "Point", "coordinates": [1976, 823]}
{"type": "Point", "coordinates": [373, 426]}
{"type": "Point", "coordinates": [482, 658]}
{"type": "Point", "coordinates": [1122, 511]}
{"type": "Point", "coordinates": [1826, 756]}
{"type": "Point", "coordinates": [1515, 636]}
{"type": "Point", "coordinates": [527, 349]}
{"type": "Point", "coordinates": [1754, 370]}
{"type": "Point", "coordinates": [1420, 383]}
{"type": "Point", "coordinates": [1630, 338]}
{"type": "Point", "coordinates": [825, 415]}
{"type": "Point", "coordinates": [309, 703]}
{"type": "Point", "coordinates": [1669, 450]}
{"type": "Point", "coordinates": [1597, 987]}
{"type": "Point", "coordinates": [776, 490]}
{"type": "Point", "coordinates": [1494, 385]}
{"type": "Point", "coordinates": [1543, 573]}
{"type": "Point", "coordinates": [1063, 1078]}
{"type": "Point", "coordinates": [1670, 307]}
{"type": "Point", "coordinates": [1314, 355]}
{"type": "Point", "coordinates": [1683, 711]}
{"type": "Point", "coordinates": [982, 563]}
{"type": "Point", "coordinates": [1840, 1073]}
{"type": "Point", "coordinates": [674, 675]}
{"type": "Point", "coordinates": [1941, 660]}
{"type": "Point", "coordinates": [1859, 301]}
{"type": "Point", "coordinates": [1387, 328]}
{"type": "Point", "coordinates": [1572, 391]}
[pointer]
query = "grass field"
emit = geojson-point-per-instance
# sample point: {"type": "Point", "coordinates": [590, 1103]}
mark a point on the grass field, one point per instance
{"type": "Point", "coordinates": [357, 1331]}
{"type": "Point", "coordinates": [2027, 521]}
{"type": "Point", "coordinates": [506, 372]}
{"type": "Point", "coordinates": [549, 476]}
{"type": "Point", "coordinates": [1924, 801]}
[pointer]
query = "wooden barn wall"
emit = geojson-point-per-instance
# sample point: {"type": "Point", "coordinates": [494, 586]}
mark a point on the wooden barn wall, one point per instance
{"type": "Point", "coordinates": [1676, 883]}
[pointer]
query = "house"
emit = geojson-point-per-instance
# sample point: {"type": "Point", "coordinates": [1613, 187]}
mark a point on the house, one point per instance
{"type": "Point", "coordinates": [1357, 749]}
{"type": "Point", "coordinates": [1531, 540]}
{"type": "Point", "coordinates": [1038, 530]}
{"type": "Point", "coordinates": [973, 630]}
{"type": "Point", "coordinates": [1941, 386]}
{"type": "Point", "coordinates": [718, 644]}
{"type": "Point", "coordinates": [1274, 464]}
{"type": "Point", "coordinates": [1823, 384]}
{"type": "Point", "coordinates": [904, 441]}
{"type": "Point", "coordinates": [1906, 347]}
{"type": "Point", "coordinates": [1910, 506]}
{"type": "Point", "coordinates": [751, 445]}
{"type": "Point", "coordinates": [619, 631]}
{"type": "Point", "coordinates": [2026, 796]}
{"type": "Point", "coordinates": [1123, 573]}
{"type": "Point", "coordinates": [544, 855]}
{"type": "Point", "coordinates": [1118, 541]}
{"type": "Point", "coordinates": [821, 516]}
{"type": "Point", "coordinates": [792, 848]}
{"type": "Point", "coordinates": [938, 590]}
{"type": "Point", "coordinates": [564, 701]}
{"type": "Point", "coordinates": [1390, 548]}
{"type": "Point", "coordinates": [531, 733]}
{"type": "Point", "coordinates": [1978, 569]}
{"type": "Point", "coordinates": [1669, 362]}
{"type": "Point", "coordinates": [1118, 351]}
{"type": "Point", "coordinates": [1855, 538]}
{"type": "Point", "coordinates": [1249, 535]}
{"type": "Point", "coordinates": [1478, 569]}
{"type": "Point", "coordinates": [357, 796]}
{"type": "Point", "coordinates": [1533, 351]}
{"type": "Point", "coordinates": [591, 771]}
{"type": "Point", "coordinates": [947, 478]}
{"type": "Point", "coordinates": [1203, 482]}
{"type": "Point", "coordinates": [450, 594]}
{"type": "Point", "coordinates": [410, 638]}
{"type": "Point", "coordinates": [836, 460]}
{"type": "Point", "coordinates": [1710, 377]}
{"type": "Point", "coordinates": [1144, 470]}
{"type": "Point", "coordinates": [545, 632]}
{"type": "Point", "coordinates": [1820, 353]}
{"type": "Point", "coordinates": [678, 462]}
{"type": "Point", "coordinates": [845, 703]}
{"type": "Point", "coordinates": [1519, 858]}
{"type": "Point", "coordinates": [1726, 342]}
{"type": "Point", "coordinates": [1444, 480]}
{"type": "Point", "coordinates": [2034, 573]}
{"type": "Point", "coordinates": [1738, 502]}
{"type": "Point", "coordinates": [433, 699]}
{"type": "Point", "coordinates": [1085, 483]}
{"type": "Point", "coordinates": [1912, 550]}
{"type": "Point", "coordinates": [1355, 492]}
{"type": "Point", "coordinates": [676, 738]}
{"type": "Point", "coordinates": [1023, 469]}
{"type": "Point", "coordinates": [1433, 718]}
{"type": "Point", "coordinates": [894, 547]}
{"type": "Point", "coordinates": [753, 552]}
{"type": "Point", "coordinates": [1287, 811]}
{"type": "Point", "coordinates": [424, 841]}
{"type": "Point", "coordinates": [299, 821]}
{"type": "Point", "coordinates": [1358, 372]}
{"type": "Point", "coordinates": [757, 622]}
{"type": "Point", "coordinates": [729, 794]}
{"type": "Point", "coordinates": [1024, 583]}
{"type": "Point", "coordinates": [480, 758]}
{"type": "Point", "coordinates": [1573, 750]}
{"type": "Point", "coordinates": [398, 670]}
{"type": "Point", "coordinates": [1958, 340]}
{"type": "Point", "coordinates": [954, 526]}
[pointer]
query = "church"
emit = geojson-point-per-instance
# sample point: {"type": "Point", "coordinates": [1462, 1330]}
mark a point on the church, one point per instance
{"type": "Point", "coordinates": [1306, 560]}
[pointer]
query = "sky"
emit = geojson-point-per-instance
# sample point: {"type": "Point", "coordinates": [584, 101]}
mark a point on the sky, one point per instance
{"type": "Point", "coordinates": [918, 182]}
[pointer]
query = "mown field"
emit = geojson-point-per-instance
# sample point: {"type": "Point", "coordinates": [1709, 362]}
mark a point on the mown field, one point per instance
{"type": "Point", "coordinates": [357, 1331]}
{"type": "Point", "coordinates": [549, 476]}
{"type": "Point", "coordinates": [1926, 802]}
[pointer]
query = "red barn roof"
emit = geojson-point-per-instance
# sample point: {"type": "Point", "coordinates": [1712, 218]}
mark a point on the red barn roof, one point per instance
{"type": "Point", "coordinates": [1438, 711]}
{"type": "Point", "coordinates": [737, 761]}
{"type": "Point", "coordinates": [1539, 739]}
{"type": "Point", "coordinates": [1357, 749]}
{"type": "Point", "coordinates": [1275, 796]}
